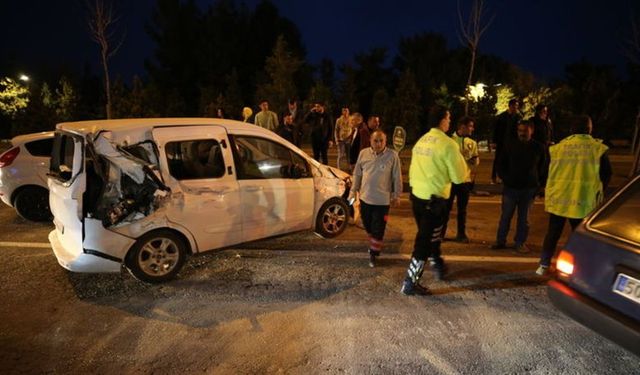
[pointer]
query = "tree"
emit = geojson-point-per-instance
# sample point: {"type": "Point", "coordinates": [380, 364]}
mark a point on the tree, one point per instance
{"type": "Point", "coordinates": [407, 105]}
{"type": "Point", "coordinates": [470, 33]}
{"type": "Point", "coordinates": [281, 67]}
{"type": "Point", "coordinates": [380, 104]}
{"type": "Point", "coordinates": [102, 27]}
{"type": "Point", "coordinates": [66, 100]}
{"type": "Point", "coordinates": [14, 97]}
{"type": "Point", "coordinates": [370, 76]}
{"type": "Point", "coordinates": [348, 88]}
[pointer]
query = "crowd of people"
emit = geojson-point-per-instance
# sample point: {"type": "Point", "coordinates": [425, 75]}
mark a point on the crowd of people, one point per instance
{"type": "Point", "coordinates": [571, 174]}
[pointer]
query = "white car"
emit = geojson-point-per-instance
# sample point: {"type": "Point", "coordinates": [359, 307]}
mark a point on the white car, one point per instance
{"type": "Point", "coordinates": [23, 175]}
{"type": "Point", "coordinates": [145, 193]}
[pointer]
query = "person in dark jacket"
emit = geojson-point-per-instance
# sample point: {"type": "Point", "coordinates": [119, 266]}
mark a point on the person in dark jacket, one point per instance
{"type": "Point", "coordinates": [504, 131]}
{"type": "Point", "coordinates": [286, 130]}
{"type": "Point", "coordinates": [297, 118]}
{"type": "Point", "coordinates": [357, 124]}
{"type": "Point", "coordinates": [542, 127]}
{"type": "Point", "coordinates": [321, 125]}
{"type": "Point", "coordinates": [523, 172]}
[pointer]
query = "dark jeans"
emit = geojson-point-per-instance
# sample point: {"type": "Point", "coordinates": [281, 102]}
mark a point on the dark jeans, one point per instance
{"type": "Point", "coordinates": [429, 215]}
{"type": "Point", "coordinates": [459, 192]}
{"type": "Point", "coordinates": [374, 219]}
{"type": "Point", "coordinates": [556, 225]}
{"type": "Point", "coordinates": [320, 147]}
{"type": "Point", "coordinates": [522, 199]}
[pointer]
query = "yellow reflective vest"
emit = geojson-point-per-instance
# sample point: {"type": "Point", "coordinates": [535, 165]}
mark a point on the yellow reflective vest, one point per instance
{"type": "Point", "coordinates": [573, 187]}
{"type": "Point", "coordinates": [436, 162]}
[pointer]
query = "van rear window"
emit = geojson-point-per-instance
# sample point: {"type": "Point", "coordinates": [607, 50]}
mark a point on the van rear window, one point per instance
{"type": "Point", "coordinates": [62, 157]}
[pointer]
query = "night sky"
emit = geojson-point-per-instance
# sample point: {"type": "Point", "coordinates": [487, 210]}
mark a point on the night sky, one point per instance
{"type": "Point", "coordinates": [541, 36]}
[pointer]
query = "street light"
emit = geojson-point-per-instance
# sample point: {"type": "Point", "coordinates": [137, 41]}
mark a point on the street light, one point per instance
{"type": "Point", "coordinates": [24, 78]}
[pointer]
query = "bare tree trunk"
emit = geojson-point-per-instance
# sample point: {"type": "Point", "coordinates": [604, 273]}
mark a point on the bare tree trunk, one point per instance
{"type": "Point", "coordinates": [101, 22]}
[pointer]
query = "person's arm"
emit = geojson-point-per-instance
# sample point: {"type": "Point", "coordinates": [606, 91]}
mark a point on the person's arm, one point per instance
{"type": "Point", "coordinates": [396, 174]}
{"type": "Point", "coordinates": [357, 178]}
{"type": "Point", "coordinates": [605, 170]}
{"type": "Point", "coordinates": [456, 165]}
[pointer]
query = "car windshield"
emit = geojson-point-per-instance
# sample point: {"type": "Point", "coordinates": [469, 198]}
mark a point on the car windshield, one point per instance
{"type": "Point", "coordinates": [620, 217]}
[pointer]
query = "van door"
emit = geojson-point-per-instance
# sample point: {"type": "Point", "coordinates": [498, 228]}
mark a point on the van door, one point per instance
{"type": "Point", "coordinates": [67, 184]}
{"type": "Point", "coordinates": [197, 164]}
{"type": "Point", "coordinates": [276, 187]}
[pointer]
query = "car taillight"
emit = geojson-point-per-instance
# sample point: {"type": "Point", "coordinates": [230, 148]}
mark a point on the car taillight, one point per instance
{"type": "Point", "coordinates": [8, 157]}
{"type": "Point", "coordinates": [564, 264]}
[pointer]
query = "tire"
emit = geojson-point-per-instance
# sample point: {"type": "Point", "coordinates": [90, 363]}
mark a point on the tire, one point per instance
{"type": "Point", "coordinates": [333, 218]}
{"type": "Point", "coordinates": [32, 203]}
{"type": "Point", "coordinates": [157, 256]}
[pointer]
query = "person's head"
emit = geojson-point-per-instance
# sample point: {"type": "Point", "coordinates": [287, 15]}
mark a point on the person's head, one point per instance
{"type": "Point", "coordinates": [466, 126]}
{"type": "Point", "coordinates": [439, 117]}
{"type": "Point", "coordinates": [288, 119]}
{"type": "Point", "coordinates": [378, 141]}
{"type": "Point", "coordinates": [356, 119]}
{"type": "Point", "coordinates": [525, 131]}
{"type": "Point", "coordinates": [292, 104]}
{"type": "Point", "coordinates": [246, 113]}
{"type": "Point", "coordinates": [373, 122]}
{"type": "Point", "coordinates": [220, 113]}
{"type": "Point", "coordinates": [542, 111]}
{"type": "Point", "coordinates": [345, 111]}
{"type": "Point", "coordinates": [581, 125]}
{"type": "Point", "coordinates": [513, 106]}
{"type": "Point", "coordinates": [318, 107]}
{"type": "Point", "coordinates": [264, 105]}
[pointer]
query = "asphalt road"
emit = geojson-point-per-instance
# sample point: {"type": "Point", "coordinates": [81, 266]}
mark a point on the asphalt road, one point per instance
{"type": "Point", "coordinates": [296, 304]}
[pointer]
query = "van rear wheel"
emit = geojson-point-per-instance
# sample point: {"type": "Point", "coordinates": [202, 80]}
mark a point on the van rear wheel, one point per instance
{"type": "Point", "coordinates": [32, 203]}
{"type": "Point", "coordinates": [157, 256]}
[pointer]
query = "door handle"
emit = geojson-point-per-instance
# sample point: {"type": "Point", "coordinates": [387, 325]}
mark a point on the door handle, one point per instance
{"type": "Point", "coordinates": [253, 188]}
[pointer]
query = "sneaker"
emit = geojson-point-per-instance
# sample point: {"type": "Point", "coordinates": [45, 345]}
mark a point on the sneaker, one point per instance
{"type": "Point", "coordinates": [432, 261]}
{"type": "Point", "coordinates": [410, 289]}
{"type": "Point", "coordinates": [522, 249]}
{"type": "Point", "coordinates": [372, 260]}
{"type": "Point", "coordinates": [462, 239]}
{"type": "Point", "coordinates": [498, 246]}
{"type": "Point", "coordinates": [542, 270]}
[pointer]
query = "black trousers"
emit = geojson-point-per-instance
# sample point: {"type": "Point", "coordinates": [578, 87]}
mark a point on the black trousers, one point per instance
{"type": "Point", "coordinates": [459, 192]}
{"type": "Point", "coordinates": [320, 146]}
{"type": "Point", "coordinates": [374, 219]}
{"type": "Point", "coordinates": [430, 216]}
{"type": "Point", "coordinates": [554, 232]}
{"type": "Point", "coordinates": [494, 167]}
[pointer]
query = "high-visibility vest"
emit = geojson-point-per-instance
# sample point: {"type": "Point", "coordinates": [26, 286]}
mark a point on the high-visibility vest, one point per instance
{"type": "Point", "coordinates": [436, 161]}
{"type": "Point", "coordinates": [573, 187]}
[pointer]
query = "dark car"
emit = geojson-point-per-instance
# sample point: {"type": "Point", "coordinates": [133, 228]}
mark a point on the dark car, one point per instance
{"type": "Point", "coordinates": [598, 273]}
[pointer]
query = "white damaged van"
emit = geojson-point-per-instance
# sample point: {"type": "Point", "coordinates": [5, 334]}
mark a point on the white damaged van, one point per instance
{"type": "Point", "coordinates": [145, 193]}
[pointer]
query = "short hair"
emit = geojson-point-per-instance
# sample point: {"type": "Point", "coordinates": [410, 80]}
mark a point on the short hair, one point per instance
{"type": "Point", "coordinates": [540, 107]}
{"type": "Point", "coordinates": [319, 102]}
{"type": "Point", "coordinates": [292, 101]}
{"type": "Point", "coordinates": [528, 123]}
{"type": "Point", "coordinates": [580, 124]}
{"type": "Point", "coordinates": [466, 120]}
{"type": "Point", "coordinates": [357, 115]}
{"type": "Point", "coordinates": [263, 101]}
{"type": "Point", "coordinates": [372, 117]}
{"type": "Point", "coordinates": [380, 131]}
{"type": "Point", "coordinates": [436, 114]}
{"type": "Point", "coordinates": [512, 102]}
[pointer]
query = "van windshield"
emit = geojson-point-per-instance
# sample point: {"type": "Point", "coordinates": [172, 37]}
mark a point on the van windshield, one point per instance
{"type": "Point", "coordinates": [62, 156]}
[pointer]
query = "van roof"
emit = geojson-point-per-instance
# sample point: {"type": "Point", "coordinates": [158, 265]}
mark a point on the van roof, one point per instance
{"type": "Point", "coordinates": [144, 124]}
{"type": "Point", "coordinates": [31, 137]}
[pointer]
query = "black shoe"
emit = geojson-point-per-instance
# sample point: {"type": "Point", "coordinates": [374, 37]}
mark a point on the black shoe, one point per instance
{"type": "Point", "coordinates": [410, 289]}
{"type": "Point", "coordinates": [372, 260]}
{"type": "Point", "coordinates": [439, 273]}
{"type": "Point", "coordinates": [522, 249]}
{"type": "Point", "coordinates": [462, 239]}
{"type": "Point", "coordinates": [498, 246]}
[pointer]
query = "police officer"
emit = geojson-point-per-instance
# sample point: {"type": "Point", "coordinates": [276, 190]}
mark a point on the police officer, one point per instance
{"type": "Point", "coordinates": [579, 171]}
{"type": "Point", "coordinates": [436, 162]}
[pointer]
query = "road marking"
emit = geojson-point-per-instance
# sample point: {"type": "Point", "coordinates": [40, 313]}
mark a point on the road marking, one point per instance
{"type": "Point", "coordinates": [39, 245]}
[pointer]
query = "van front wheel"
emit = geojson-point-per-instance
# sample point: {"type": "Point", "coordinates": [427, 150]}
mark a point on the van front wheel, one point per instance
{"type": "Point", "coordinates": [332, 218]}
{"type": "Point", "coordinates": [157, 256]}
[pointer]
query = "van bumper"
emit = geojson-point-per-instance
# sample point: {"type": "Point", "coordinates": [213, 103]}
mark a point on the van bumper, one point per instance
{"type": "Point", "coordinates": [81, 262]}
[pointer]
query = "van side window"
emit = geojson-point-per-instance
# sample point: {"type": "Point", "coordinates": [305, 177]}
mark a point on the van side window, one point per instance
{"type": "Point", "coordinates": [40, 147]}
{"type": "Point", "coordinates": [196, 159]}
{"type": "Point", "coordinates": [258, 158]}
